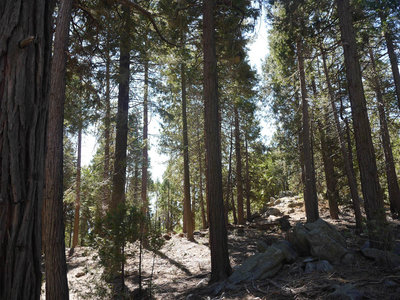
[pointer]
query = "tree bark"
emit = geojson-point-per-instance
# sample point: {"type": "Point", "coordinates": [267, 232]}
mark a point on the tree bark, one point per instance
{"type": "Point", "coordinates": [24, 75]}
{"type": "Point", "coordinates": [200, 162]}
{"type": "Point", "coordinates": [365, 151]}
{"type": "Point", "coordinates": [392, 56]}
{"type": "Point", "coordinates": [145, 155]}
{"type": "Point", "coordinates": [229, 185]}
{"type": "Point", "coordinates": [393, 185]}
{"type": "Point", "coordinates": [239, 181]}
{"type": "Point", "coordinates": [107, 138]}
{"type": "Point", "coordinates": [220, 266]}
{"type": "Point", "coordinates": [53, 228]}
{"type": "Point", "coordinates": [310, 190]}
{"type": "Point", "coordinates": [187, 212]}
{"type": "Point", "coordinates": [344, 150]}
{"type": "Point", "coordinates": [248, 191]}
{"type": "Point", "coordinates": [78, 193]}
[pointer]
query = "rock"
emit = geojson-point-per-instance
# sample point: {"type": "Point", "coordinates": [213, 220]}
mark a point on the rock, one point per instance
{"type": "Point", "coordinates": [272, 211]}
{"type": "Point", "coordinates": [322, 266]}
{"type": "Point", "coordinates": [295, 204]}
{"type": "Point", "coordinates": [272, 199]}
{"type": "Point", "coordinates": [263, 224]}
{"type": "Point", "coordinates": [286, 194]}
{"type": "Point", "coordinates": [348, 259]}
{"type": "Point", "coordinates": [240, 230]}
{"type": "Point", "coordinates": [181, 235]}
{"type": "Point", "coordinates": [262, 246]}
{"type": "Point", "coordinates": [390, 283]}
{"type": "Point", "coordinates": [258, 266]}
{"type": "Point", "coordinates": [166, 237]}
{"type": "Point", "coordinates": [284, 223]}
{"type": "Point", "coordinates": [319, 239]}
{"type": "Point", "coordinates": [345, 292]}
{"type": "Point", "coordinates": [382, 257]}
{"type": "Point", "coordinates": [290, 211]}
{"type": "Point", "coordinates": [199, 233]}
{"type": "Point", "coordinates": [287, 249]}
{"type": "Point", "coordinates": [80, 274]}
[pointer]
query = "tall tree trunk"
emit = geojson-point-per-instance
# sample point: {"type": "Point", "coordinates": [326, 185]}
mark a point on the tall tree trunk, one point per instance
{"type": "Point", "coordinates": [25, 49]}
{"type": "Point", "coordinates": [200, 162]}
{"type": "Point", "coordinates": [187, 212]}
{"type": "Point", "coordinates": [220, 266]}
{"type": "Point", "coordinates": [145, 156]}
{"type": "Point", "coordinates": [248, 191]}
{"type": "Point", "coordinates": [365, 150]}
{"type": "Point", "coordinates": [107, 134]}
{"type": "Point", "coordinates": [344, 150]}
{"type": "Point", "coordinates": [239, 181]}
{"type": "Point", "coordinates": [310, 190]}
{"type": "Point", "coordinates": [393, 185]}
{"type": "Point", "coordinates": [332, 192]}
{"type": "Point", "coordinates": [229, 192]}
{"type": "Point", "coordinates": [121, 141]}
{"type": "Point", "coordinates": [392, 56]}
{"type": "Point", "coordinates": [53, 214]}
{"type": "Point", "coordinates": [78, 192]}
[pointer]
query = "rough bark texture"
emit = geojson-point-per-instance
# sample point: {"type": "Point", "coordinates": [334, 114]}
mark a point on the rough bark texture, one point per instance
{"type": "Point", "coordinates": [23, 114]}
{"type": "Point", "coordinates": [393, 185]}
{"type": "Point", "coordinates": [229, 185]}
{"type": "Point", "coordinates": [365, 151]}
{"type": "Point", "coordinates": [344, 150]}
{"type": "Point", "coordinates": [310, 190]}
{"type": "Point", "coordinates": [332, 193]}
{"type": "Point", "coordinates": [220, 266]}
{"type": "Point", "coordinates": [145, 155]}
{"type": "Point", "coordinates": [119, 175]}
{"type": "Point", "coordinates": [78, 193]}
{"type": "Point", "coordinates": [239, 180]}
{"type": "Point", "coordinates": [53, 222]}
{"type": "Point", "coordinates": [187, 215]}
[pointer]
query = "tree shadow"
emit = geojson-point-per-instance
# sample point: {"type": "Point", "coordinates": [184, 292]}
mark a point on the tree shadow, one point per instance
{"type": "Point", "coordinates": [173, 262]}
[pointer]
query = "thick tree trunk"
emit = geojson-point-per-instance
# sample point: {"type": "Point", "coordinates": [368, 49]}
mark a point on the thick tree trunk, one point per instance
{"type": "Point", "coordinates": [53, 221]}
{"type": "Point", "coordinates": [145, 155]}
{"type": "Point", "coordinates": [25, 49]}
{"type": "Point", "coordinates": [248, 191]}
{"type": "Point", "coordinates": [365, 151]}
{"type": "Point", "coordinates": [239, 181]}
{"type": "Point", "coordinates": [344, 150]}
{"type": "Point", "coordinates": [78, 193]}
{"type": "Point", "coordinates": [187, 212]}
{"type": "Point", "coordinates": [310, 190]}
{"type": "Point", "coordinates": [393, 185]}
{"type": "Point", "coordinates": [332, 192]}
{"type": "Point", "coordinates": [220, 266]}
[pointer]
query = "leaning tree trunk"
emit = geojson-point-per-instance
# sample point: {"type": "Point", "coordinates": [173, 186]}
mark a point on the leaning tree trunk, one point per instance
{"type": "Point", "coordinates": [53, 214]}
{"type": "Point", "coordinates": [348, 164]}
{"type": "Point", "coordinates": [187, 215]}
{"type": "Point", "coordinates": [25, 49]}
{"type": "Point", "coordinates": [220, 266]}
{"type": "Point", "coordinates": [239, 181]}
{"type": "Point", "coordinates": [392, 56]}
{"type": "Point", "coordinates": [310, 190]}
{"type": "Point", "coordinates": [372, 192]}
{"type": "Point", "coordinates": [393, 185]}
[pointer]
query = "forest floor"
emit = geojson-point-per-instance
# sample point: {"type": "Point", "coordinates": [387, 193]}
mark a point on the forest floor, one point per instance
{"type": "Point", "coordinates": [180, 270]}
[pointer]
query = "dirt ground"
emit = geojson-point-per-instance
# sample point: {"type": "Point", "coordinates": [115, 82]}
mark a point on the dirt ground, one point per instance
{"type": "Point", "coordinates": [180, 270]}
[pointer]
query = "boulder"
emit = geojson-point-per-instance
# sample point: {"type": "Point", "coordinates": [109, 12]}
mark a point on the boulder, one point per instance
{"type": "Point", "coordinates": [320, 239]}
{"type": "Point", "coordinates": [259, 266]}
{"type": "Point", "coordinates": [382, 257]}
{"type": "Point", "coordinates": [272, 211]}
{"type": "Point", "coordinates": [287, 249]}
{"type": "Point", "coordinates": [321, 266]}
{"type": "Point", "coordinates": [262, 246]}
